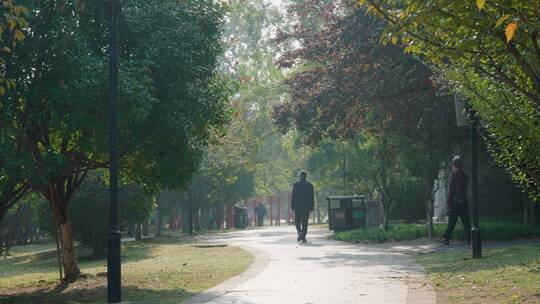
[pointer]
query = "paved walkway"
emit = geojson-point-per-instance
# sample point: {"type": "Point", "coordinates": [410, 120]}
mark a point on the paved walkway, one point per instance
{"type": "Point", "coordinates": [318, 272]}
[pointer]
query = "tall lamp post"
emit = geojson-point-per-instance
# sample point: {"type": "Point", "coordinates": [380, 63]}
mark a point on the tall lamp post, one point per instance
{"type": "Point", "coordinates": [114, 291]}
{"type": "Point", "coordinates": [462, 118]}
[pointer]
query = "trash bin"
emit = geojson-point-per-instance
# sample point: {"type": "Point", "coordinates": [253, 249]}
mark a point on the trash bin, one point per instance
{"type": "Point", "coordinates": [339, 218]}
{"type": "Point", "coordinates": [240, 217]}
{"type": "Point", "coordinates": [358, 218]}
{"type": "Point", "coordinates": [351, 213]}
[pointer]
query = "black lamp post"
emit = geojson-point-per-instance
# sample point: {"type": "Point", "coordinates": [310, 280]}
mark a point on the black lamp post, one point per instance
{"type": "Point", "coordinates": [475, 231]}
{"type": "Point", "coordinates": [462, 121]}
{"type": "Point", "coordinates": [114, 291]}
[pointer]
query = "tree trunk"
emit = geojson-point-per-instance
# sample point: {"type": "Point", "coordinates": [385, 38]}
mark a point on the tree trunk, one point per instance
{"type": "Point", "coordinates": [159, 222]}
{"type": "Point", "coordinates": [220, 216]}
{"type": "Point", "coordinates": [197, 219]}
{"type": "Point", "coordinates": [532, 218]}
{"type": "Point", "coordinates": [318, 211]}
{"type": "Point", "coordinates": [178, 222]}
{"type": "Point", "coordinates": [386, 210]}
{"type": "Point", "coordinates": [145, 228]}
{"type": "Point", "coordinates": [430, 208]}
{"type": "Point", "coordinates": [131, 230]}
{"type": "Point", "coordinates": [65, 237]}
{"type": "Point", "coordinates": [529, 211]}
{"type": "Point", "coordinates": [57, 198]}
{"type": "Point", "coordinates": [536, 212]}
{"type": "Point", "coordinates": [525, 213]}
{"type": "Point", "coordinates": [271, 211]}
{"type": "Point", "coordinates": [138, 232]}
{"type": "Point", "coordinates": [229, 215]}
{"type": "Point", "coordinates": [184, 221]}
{"type": "Point", "coordinates": [190, 219]}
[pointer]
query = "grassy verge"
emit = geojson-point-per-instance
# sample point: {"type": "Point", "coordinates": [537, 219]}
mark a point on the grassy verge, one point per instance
{"type": "Point", "coordinates": [492, 229]}
{"type": "Point", "coordinates": [159, 270]}
{"type": "Point", "coordinates": [508, 275]}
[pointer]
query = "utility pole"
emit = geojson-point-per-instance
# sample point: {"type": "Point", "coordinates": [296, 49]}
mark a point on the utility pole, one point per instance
{"type": "Point", "coordinates": [114, 264]}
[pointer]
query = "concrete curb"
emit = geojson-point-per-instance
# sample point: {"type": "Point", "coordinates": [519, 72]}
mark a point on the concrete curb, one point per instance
{"type": "Point", "coordinates": [257, 266]}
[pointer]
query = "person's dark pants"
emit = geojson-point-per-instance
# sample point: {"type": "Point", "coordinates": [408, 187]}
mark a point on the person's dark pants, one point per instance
{"type": "Point", "coordinates": [301, 220]}
{"type": "Point", "coordinates": [461, 212]}
{"type": "Point", "coordinates": [260, 220]}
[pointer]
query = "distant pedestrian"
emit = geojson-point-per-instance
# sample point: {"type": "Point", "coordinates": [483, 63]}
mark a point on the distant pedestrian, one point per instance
{"type": "Point", "coordinates": [260, 211]}
{"type": "Point", "coordinates": [457, 202]}
{"type": "Point", "coordinates": [302, 202]}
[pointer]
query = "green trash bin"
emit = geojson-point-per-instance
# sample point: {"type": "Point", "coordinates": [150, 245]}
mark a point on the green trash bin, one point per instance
{"type": "Point", "coordinates": [358, 218]}
{"type": "Point", "coordinates": [351, 213]}
{"type": "Point", "coordinates": [240, 217]}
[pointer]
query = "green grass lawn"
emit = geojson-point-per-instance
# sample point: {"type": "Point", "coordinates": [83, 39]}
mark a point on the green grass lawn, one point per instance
{"type": "Point", "coordinates": [510, 275]}
{"type": "Point", "coordinates": [159, 270]}
{"type": "Point", "coordinates": [492, 229]}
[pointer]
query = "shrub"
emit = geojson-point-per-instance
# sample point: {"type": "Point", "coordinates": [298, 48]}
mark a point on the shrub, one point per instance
{"type": "Point", "coordinates": [493, 229]}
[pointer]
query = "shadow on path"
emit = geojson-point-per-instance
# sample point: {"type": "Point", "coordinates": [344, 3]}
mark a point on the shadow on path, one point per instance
{"type": "Point", "coordinates": [321, 271]}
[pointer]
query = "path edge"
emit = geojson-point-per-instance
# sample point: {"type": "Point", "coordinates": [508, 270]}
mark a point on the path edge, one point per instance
{"type": "Point", "coordinates": [420, 288]}
{"type": "Point", "coordinates": [260, 262]}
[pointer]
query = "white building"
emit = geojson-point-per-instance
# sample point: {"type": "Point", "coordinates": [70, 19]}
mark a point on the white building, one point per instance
{"type": "Point", "coordinates": [439, 214]}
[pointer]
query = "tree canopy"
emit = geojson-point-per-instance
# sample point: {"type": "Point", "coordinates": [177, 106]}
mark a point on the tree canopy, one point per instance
{"type": "Point", "coordinates": [487, 51]}
{"type": "Point", "coordinates": [349, 86]}
{"type": "Point", "coordinates": [172, 104]}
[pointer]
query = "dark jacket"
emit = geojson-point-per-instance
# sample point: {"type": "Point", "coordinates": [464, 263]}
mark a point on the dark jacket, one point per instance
{"type": "Point", "coordinates": [260, 210]}
{"type": "Point", "coordinates": [457, 191]}
{"type": "Point", "coordinates": [302, 196]}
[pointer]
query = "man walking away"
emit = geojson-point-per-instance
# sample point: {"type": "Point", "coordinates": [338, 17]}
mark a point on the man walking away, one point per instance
{"type": "Point", "coordinates": [302, 202]}
{"type": "Point", "coordinates": [260, 210]}
{"type": "Point", "coordinates": [457, 203]}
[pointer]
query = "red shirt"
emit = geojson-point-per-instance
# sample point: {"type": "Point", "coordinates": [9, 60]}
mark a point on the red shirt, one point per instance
{"type": "Point", "coordinates": [457, 191]}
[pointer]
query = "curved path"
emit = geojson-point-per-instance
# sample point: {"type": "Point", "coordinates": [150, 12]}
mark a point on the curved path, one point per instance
{"type": "Point", "coordinates": [318, 272]}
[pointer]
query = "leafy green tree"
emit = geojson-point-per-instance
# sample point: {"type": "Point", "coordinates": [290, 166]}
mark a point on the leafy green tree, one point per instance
{"type": "Point", "coordinates": [488, 52]}
{"type": "Point", "coordinates": [52, 69]}
{"type": "Point", "coordinates": [167, 208]}
{"type": "Point", "coordinates": [89, 211]}
{"type": "Point", "coordinates": [172, 101]}
{"type": "Point", "coordinates": [228, 174]}
{"type": "Point", "coordinates": [180, 44]}
{"type": "Point", "coordinates": [11, 33]}
{"type": "Point", "coordinates": [350, 85]}
{"type": "Point", "coordinates": [12, 188]}
{"type": "Point", "coordinates": [250, 59]}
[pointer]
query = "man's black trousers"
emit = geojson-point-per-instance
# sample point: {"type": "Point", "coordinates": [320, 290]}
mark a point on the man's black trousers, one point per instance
{"type": "Point", "coordinates": [301, 220]}
{"type": "Point", "coordinates": [461, 212]}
